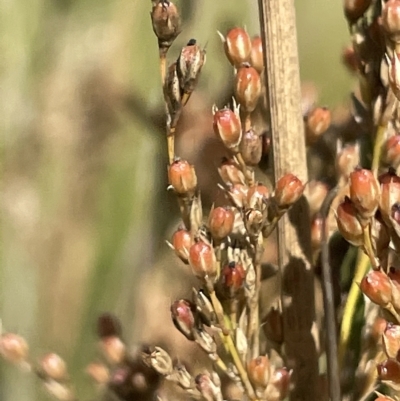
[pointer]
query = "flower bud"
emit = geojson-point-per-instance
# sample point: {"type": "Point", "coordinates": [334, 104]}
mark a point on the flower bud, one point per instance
{"type": "Point", "coordinates": [166, 22]}
{"type": "Point", "coordinates": [258, 370]}
{"type": "Point", "coordinates": [394, 73]}
{"type": "Point", "coordinates": [391, 340]}
{"type": "Point", "coordinates": [13, 348]}
{"type": "Point", "coordinates": [256, 196]}
{"type": "Point", "coordinates": [113, 349]}
{"type": "Point", "coordinates": [288, 190]}
{"type": "Point", "coordinates": [355, 9]}
{"type": "Point", "coordinates": [54, 367]}
{"type": "Point", "coordinates": [251, 148]}
{"type": "Point", "coordinates": [389, 370]}
{"type": "Point", "coordinates": [230, 172]}
{"type": "Point", "coordinates": [228, 128]}
{"type": "Point", "coordinates": [390, 194]}
{"type": "Point", "coordinates": [376, 286]}
{"type": "Point", "coordinates": [348, 223]}
{"type": "Point", "coordinates": [98, 372]}
{"type": "Point", "coordinates": [189, 65]}
{"type": "Point", "coordinates": [317, 122]}
{"type": "Point", "coordinates": [182, 177]}
{"type": "Point", "coordinates": [202, 260]}
{"type": "Point", "coordinates": [233, 276]}
{"type": "Point", "coordinates": [256, 55]}
{"type": "Point", "coordinates": [220, 222]}
{"type": "Point", "coordinates": [181, 242]}
{"type": "Point", "coordinates": [391, 151]}
{"type": "Point", "coordinates": [391, 19]}
{"type": "Point", "coordinates": [347, 159]}
{"type": "Point", "coordinates": [183, 315]}
{"type": "Point", "coordinates": [247, 88]}
{"type": "Point", "coordinates": [364, 192]}
{"type": "Point", "coordinates": [237, 46]}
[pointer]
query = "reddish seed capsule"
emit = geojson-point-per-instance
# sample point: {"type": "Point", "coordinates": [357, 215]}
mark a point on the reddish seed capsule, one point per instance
{"type": "Point", "coordinates": [288, 190]}
{"type": "Point", "coordinates": [182, 177]}
{"type": "Point", "coordinates": [13, 347]}
{"type": "Point", "coordinates": [364, 192]}
{"type": "Point", "coordinates": [376, 286]}
{"type": "Point", "coordinates": [247, 88]}
{"type": "Point", "coordinates": [317, 122]}
{"type": "Point", "coordinates": [351, 59]}
{"type": "Point", "coordinates": [347, 159]}
{"type": "Point", "coordinates": [391, 340]}
{"type": "Point", "coordinates": [220, 222]}
{"type": "Point", "coordinates": [391, 19]}
{"type": "Point", "coordinates": [230, 173]}
{"type": "Point", "coordinates": [273, 326]}
{"type": "Point", "coordinates": [348, 223]}
{"type": "Point", "coordinates": [202, 260]}
{"type": "Point", "coordinates": [355, 9]}
{"type": "Point", "coordinates": [391, 151]}
{"type": "Point", "coordinates": [228, 128]}
{"type": "Point", "coordinates": [237, 46]}
{"type": "Point", "coordinates": [183, 316]}
{"type": "Point", "coordinates": [54, 367]}
{"type": "Point", "coordinates": [166, 22]}
{"type": "Point", "coordinates": [281, 381]}
{"type": "Point", "coordinates": [256, 196]}
{"type": "Point", "coordinates": [258, 370]}
{"type": "Point", "coordinates": [251, 148]}
{"type": "Point", "coordinates": [233, 276]}
{"type": "Point", "coordinates": [182, 242]}
{"type": "Point", "coordinates": [389, 370]}
{"type": "Point", "coordinates": [256, 56]}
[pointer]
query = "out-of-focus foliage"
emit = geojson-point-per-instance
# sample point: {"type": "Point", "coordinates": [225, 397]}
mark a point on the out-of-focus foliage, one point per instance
{"type": "Point", "coordinates": [84, 159]}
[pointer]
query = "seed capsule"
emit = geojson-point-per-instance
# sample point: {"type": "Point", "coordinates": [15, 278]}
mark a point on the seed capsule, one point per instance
{"type": "Point", "coordinates": [316, 232]}
{"type": "Point", "coordinates": [376, 286]}
{"type": "Point", "coordinates": [394, 74]}
{"type": "Point", "coordinates": [391, 19]}
{"type": "Point", "coordinates": [183, 315]}
{"type": "Point", "coordinates": [230, 173]}
{"type": "Point", "coordinates": [98, 372]}
{"type": "Point", "coordinates": [228, 128]}
{"type": "Point", "coordinates": [166, 22]}
{"type": "Point", "coordinates": [108, 325]}
{"type": "Point", "coordinates": [256, 196]}
{"type": "Point", "coordinates": [389, 370]}
{"type": "Point", "coordinates": [237, 46]}
{"type": "Point", "coordinates": [247, 88]}
{"type": "Point", "coordinates": [251, 148]}
{"type": "Point", "coordinates": [233, 276]}
{"type": "Point", "coordinates": [256, 55]}
{"type": "Point", "coordinates": [13, 347]}
{"type": "Point", "coordinates": [288, 190]}
{"type": "Point", "coordinates": [259, 371]}
{"type": "Point", "coordinates": [54, 367]}
{"type": "Point", "coordinates": [351, 59]}
{"type": "Point", "coordinates": [113, 349]}
{"type": "Point", "coordinates": [347, 159]}
{"type": "Point", "coordinates": [181, 241]}
{"type": "Point", "coordinates": [348, 223]}
{"type": "Point", "coordinates": [391, 340]}
{"type": "Point", "coordinates": [317, 122]}
{"type": "Point", "coordinates": [391, 151]}
{"type": "Point", "coordinates": [220, 222]}
{"type": "Point", "coordinates": [317, 192]}
{"type": "Point", "coordinates": [390, 194]}
{"type": "Point", "coordinates": [202, 260]}
{"type": "Point", "coordinates": [355, 9]}
{"type": "Point", "coordinates": [280, 380]}
{"type": "Point", "coordinates": [182, 177]}
{"type": "Point", "coordinates": [364, 192]}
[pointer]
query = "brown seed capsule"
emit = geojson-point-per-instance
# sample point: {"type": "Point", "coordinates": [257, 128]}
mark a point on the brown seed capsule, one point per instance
{"type": "Point", "coordinates": [251, 148]}
{"type": "Point", "coordinates": [13, 347]}
{"type": "Point", "coordinates": [113, 349]}
{"type": "Point", "coordinates": [355, 9]}
{"type": "Point", "coordinates": [391, 340]}
{"type": "Point", "coordinates": [256, 55]}
{"type": "Point", "coordinates": [347, 159]}
{"type": "Point", "coordinates": [318, 121]}
{"type": "Point", "coordinates": [288, 190]}
{"type": "Point", "coordinates": [391, 151]}
{"type": "Point", "coordinates": [394, 74]}
{"type": "Point", "coordinates": [391, 19]}
{"type": "Point", "coordinates": [364, 192]}
{"type": "Point", "coordinates": [273, 326]}
{"type": "Point", "coordinates": [108, 325]}
{"type": "Point", "coordinates": [247, 88]}
{"type": "Point", "coordinates": [256, 196]}
{"type": "Point", "coordinates": [376, 286]}
{"type": "Point", "coordinates": [189, 65]}
{"type": "Point", "coordinates": [54, 367]}
{"type": "Point", "coordinates": [258, 370]}
{"type": "Point", "coordinates": [166, 22]}
{"type": "Point", "coordinates": [230, 172]}
{"type": "Point", "coordinates": [181, 241]}
{"type": "Point", "coordinates": [220, 222]}
{"type": "Point", "coordinates": [237, 46]}
{"type": "Point", "coordinates": [182, 177]}
{"type": "Point", "coordinates": [232, 277]}
{"type": "Point", "coordinates": [202, 260]}
{"type": "Point", "coordinates": [228, 128]}
{"type": "Point", "coordinates": [183, 315]}
{"type": "Point", "coordinates": [348, 224]}
{"type": "Point", "coordinates": [389, 370]}
{"type": "Point", "coordinates": [98, 372]}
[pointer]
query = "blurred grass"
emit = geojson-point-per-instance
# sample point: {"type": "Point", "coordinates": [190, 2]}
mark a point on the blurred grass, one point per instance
{"type": "Point", "coordinates": [82, 206]}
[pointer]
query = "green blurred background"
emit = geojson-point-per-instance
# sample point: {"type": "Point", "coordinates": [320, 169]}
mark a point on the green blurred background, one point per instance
{"type": "Point", "coordinates": [83, 184]}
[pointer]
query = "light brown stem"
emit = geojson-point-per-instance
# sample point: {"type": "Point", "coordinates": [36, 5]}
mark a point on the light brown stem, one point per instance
{"type": "Point", "coordinates": [278, 31]}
